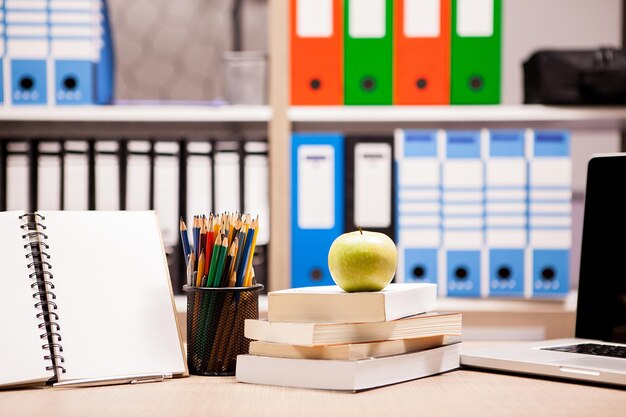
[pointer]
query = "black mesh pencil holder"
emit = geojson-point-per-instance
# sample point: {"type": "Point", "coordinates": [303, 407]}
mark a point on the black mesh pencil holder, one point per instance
{"type": "Point", "coordinates": [215, 325]}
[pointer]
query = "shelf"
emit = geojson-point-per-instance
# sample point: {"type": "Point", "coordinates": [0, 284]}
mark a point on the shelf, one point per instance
{"type": "Point", "coordinates": [368, 118]}
{"type": "Point", "coordinates": [144, 119]}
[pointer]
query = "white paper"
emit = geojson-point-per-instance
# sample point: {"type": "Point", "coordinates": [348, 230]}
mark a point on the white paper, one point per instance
{"type": "Point", "coordinates": [474, 18]}
{"type": "Point", "coordinates": [314, 18]}
{"type": "Point", "coordinates": [166, 191]}
{"type": "Point", "coordinates": [316, 187]}
{"type": "Point", "coordinates": [227, 182]}
{"type": "Point", "coordinates": [256, 201]}
{"type": "Point", "coordinates": [116, 309]}
{"type": "Point", "coordinates": [372, 184]}
{"type": "Point", "coordinates": [367, 18]}
{"type": "Point", "coordinates": [107, 177]}
{"type": "Point", "coordinates": [421, 18]}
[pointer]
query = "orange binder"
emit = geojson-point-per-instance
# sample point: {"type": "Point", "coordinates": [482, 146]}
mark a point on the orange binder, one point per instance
{"type": "Point", "coordinates": [422, 52]}
{"type": "Point", "coordinates": [316, 52]}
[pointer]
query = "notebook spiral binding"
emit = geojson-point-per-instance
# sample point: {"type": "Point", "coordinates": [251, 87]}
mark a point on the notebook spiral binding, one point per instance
{"type": "Point", "coordinates": [42, 289]}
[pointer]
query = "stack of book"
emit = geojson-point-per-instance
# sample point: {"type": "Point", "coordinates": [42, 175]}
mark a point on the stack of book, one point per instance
{"type": "Point", "coordinates": [325, 338]}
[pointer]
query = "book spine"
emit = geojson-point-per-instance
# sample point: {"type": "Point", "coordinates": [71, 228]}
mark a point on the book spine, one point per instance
{"type": "Point", "coordinates": [38, 261]}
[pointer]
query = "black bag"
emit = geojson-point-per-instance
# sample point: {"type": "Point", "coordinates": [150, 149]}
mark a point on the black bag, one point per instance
{"type": "Point", "coordinates": [575, 77]}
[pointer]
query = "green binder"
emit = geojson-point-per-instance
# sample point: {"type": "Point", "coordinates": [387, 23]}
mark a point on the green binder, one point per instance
{"type": "Point", "coordinates": [368, 37]}
{"type": "Point", "coordinates": [476, 43]}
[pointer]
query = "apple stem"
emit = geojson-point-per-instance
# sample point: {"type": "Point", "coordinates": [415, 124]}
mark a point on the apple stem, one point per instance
{"type": "Point", "coordinates": [360, 230]}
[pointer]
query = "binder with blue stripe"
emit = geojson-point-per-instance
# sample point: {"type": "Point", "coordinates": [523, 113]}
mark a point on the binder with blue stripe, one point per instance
{"type": "Point", "coordinates": [463, 213]}
{"type": "Point", "coordinates": [27, 50]}
{"type": "Point", "coordinates": [505, 211]}
{"type": "Point", "coordinates": [317, 205]}
{"type": "Point", "coordinates": [418, 207]}
{"type": "Point", "coordinates": [550, 209]}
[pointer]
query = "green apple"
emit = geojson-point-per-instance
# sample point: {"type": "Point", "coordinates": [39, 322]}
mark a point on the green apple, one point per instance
{"type": "Point", "coordinates": [362, 261]}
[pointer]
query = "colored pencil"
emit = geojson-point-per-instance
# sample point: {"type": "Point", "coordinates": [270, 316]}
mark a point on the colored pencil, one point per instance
{"type": "Point", "coordinates": [184, 237]}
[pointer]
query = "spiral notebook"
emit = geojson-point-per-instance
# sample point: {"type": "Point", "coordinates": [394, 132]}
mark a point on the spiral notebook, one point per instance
{"type": "Point", "coordinates": [86, 299]}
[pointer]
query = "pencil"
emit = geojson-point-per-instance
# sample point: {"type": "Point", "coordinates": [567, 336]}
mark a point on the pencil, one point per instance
{"type": "Point", "coordinates": [214, 257]}
{"type": "Point", "coordinates": [220, 262]}
{"type": "Point", "coordinates": [200, 269]}
{"type": "Point", "coordinates": [232, 251]}
{"type": "Point", "coordinates": [184, 237]}
{"type": "Point", "coordinates": [195, 231]}
{"type": "Point", "coordinates": [247, 277]}
{"type": "Point", "coordinates": [244, 257]}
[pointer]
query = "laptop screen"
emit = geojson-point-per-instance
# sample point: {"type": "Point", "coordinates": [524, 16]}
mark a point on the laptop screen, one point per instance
{"type": "Point", "coordinates": [601, 309]}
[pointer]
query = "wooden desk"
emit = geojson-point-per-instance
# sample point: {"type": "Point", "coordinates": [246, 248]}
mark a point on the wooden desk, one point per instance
{"type": "Point", "coordinates": [459, 393]}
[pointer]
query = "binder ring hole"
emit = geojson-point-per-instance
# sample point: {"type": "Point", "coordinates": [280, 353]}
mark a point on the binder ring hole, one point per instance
{"type": "Point", "coordinates": [476, 82]}
{"type": "Point", "coordinates": [70, 82]}
{"type": "Point", "coordinates": [419, 271]}
{"type": "Point", "coordinates": [461, 273]}
{"type": "Point", "coordinates": [315, 84]}
{"type": "Point", "coordinates": [504, 272]}
{"type": "Point", "coordinates": [421, 83]}
{"type": "Point", "coordinates": [316, 274]}
{"type": "Point", "coordinates": [368, 83]}
{"type": "Point", "coordinates": [548, 273]}
{"type": "Point", "coordinates": [27, 83]}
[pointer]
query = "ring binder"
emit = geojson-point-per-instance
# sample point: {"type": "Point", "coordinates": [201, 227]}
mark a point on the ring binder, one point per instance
{"type": "Point", "coordinates": [42, 289]}
{"type": "Point", "coordinates": [34, 284]}
{"type": "Point", "coordinates": [42, 325]}
{"type": "Point", "coordinates": [32, 225]}
{"type": "Point", "coordinates": [48, 303]}
{"type": "Point", "coordinates": [39, 263]}
{"type": "Point", "coordinates": [47, 313]}
{"type": "Point", "coordinates": [53, 345]}
{"type": "Point", "coordinates": [34, 245]}
{"type": "Point", "coordinates": [28, 255]}
{"type": "Point", "coordinates": [34, 234]}
{"type": "Point", "coordinates": [32, 274]}
{"type": "Point", "coordinates": [50, 334]}
{"type": "Point", "coordinates": [39, 293]}
{"type": "Point", "coordinates": [55, 368]}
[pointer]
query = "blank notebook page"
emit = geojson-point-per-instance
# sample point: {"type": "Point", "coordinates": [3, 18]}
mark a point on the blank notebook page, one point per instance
{"type": "Point", "coordinates": [21, 355]}
{"type": "Point", "coordinates": [113, 289]}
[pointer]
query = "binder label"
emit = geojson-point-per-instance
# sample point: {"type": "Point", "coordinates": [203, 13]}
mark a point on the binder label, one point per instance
{"type": "Point", "coordinates": [421, 18]}
{"type": "Point", "coordinates": [367, 18]}
{"type": "Point", "coordinates": [475, 18]}
{"type": "Point", "coordinates": [372, 184]}
{"type": "Point", "coordinates": [316, 187]}
{"type": "Point", "coordinates": [314, 18]}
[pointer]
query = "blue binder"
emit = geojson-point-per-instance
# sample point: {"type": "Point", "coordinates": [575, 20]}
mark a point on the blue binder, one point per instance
{"type": "Point", "coordinates": [105, 67]}
{"type": "Point", "coordinates": [505, 211]}
{"type": "Point", "coordinates": [418, 207]}
{"type": "Point", "coordinates": [550, 210]}
{"type": "Point", "coordinates": [317, 205]}
{"type": "Point", "coordinates": [26, 49]}
{"type": "Point", "coordinates": [463, 213]}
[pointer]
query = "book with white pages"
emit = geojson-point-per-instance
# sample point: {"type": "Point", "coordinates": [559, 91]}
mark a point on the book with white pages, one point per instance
{"type": "Point", "coordinates": [331, 304]}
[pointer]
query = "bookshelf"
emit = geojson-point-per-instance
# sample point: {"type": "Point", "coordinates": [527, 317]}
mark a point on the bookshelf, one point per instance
{"type": "Point", "coordinates": [278, 119]}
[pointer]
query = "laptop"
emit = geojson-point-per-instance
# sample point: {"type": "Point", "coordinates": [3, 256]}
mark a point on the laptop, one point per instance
{"type": "Point", "coordinates": [598, 351]}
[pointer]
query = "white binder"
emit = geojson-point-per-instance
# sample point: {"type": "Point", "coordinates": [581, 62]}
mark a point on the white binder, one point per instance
{"type": "Point", "coordinates": [463, 212]}
{"type": "Point", "coordinates": [418, 155]}
{"type": "Point", "coordinates": [550, 211]}
{"type": "Point", "coordinates": [505, 212]}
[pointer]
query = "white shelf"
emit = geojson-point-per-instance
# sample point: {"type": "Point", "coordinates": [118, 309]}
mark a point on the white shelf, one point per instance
{"type": "Point", "coordinates": [311, 117]}
{"type": "Point", "coordinates": [137, 113]}
{"type": "Point", "coordinates": [136, 120]}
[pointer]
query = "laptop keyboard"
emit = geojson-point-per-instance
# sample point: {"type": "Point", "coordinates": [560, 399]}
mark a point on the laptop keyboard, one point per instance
{"type": "Point", "coordinates": [592, 349]}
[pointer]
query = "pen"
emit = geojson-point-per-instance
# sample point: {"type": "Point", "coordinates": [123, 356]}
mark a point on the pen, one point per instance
{"type": "Point", "coordinates": [128, 379]}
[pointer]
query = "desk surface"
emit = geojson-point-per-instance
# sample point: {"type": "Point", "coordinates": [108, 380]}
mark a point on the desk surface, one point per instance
{"type": "Point", "coordinates": [458, 393]}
